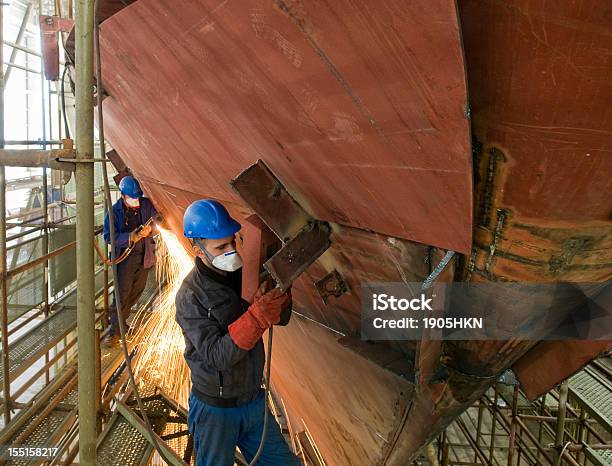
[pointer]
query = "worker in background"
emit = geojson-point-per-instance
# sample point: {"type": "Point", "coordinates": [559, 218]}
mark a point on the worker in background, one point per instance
{"type": "Point", "coordinates": [131, 212]}
{"type": "Point", "coordinates": [223, 345]}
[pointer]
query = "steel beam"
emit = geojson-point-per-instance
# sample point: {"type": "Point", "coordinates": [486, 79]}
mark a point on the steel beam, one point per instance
{"type": "Point", "coordinates": [85, 231]}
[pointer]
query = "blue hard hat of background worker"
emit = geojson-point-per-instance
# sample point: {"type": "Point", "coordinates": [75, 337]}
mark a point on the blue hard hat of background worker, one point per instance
{"type": "Point", "coordinates": [130, 187]}
{"type": "Point", "coordinates": [207, 218]}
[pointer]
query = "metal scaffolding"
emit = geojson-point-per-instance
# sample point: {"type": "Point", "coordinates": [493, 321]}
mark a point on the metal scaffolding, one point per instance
{"type": "Point", "coordinates": [54, 292]}
{"type": "Point", "coordinates": [40, 296]}
{"type": "Point", "coordinates": [571, 424]}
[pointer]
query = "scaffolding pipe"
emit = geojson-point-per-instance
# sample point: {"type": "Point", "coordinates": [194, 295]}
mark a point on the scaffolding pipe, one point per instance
{"type": "Point", "coordinates": [493, 425]}
{"type": "Point", "coordinates": [563, 392]}
{"type": "Point", "coordinates": [530, 417]}
{"type": "Point", "coordinates": [43, 369]}
{"type": "Point", "coordinates": [29, 212]}
{"type": "Point", "coordinates": [44, 258]}
{"type": "Point", "coordinates": [504, 423]}
{"type": "Point", "coordinates": [21, 234]}
{"type": "Point", "coordinates": [513, 422]}
{"type": "Point", "coordinates": [576, 414]}
{"type": "Point", "coordinates": [22, 48]}
{"type": "Point", "coordinates": [3, 295]}
{"type": "Point", "coordinates": [38, 226]}
{"type": "Point", "coordinates": [45, 196]}
{"type": "Point", "coordinates": [45, 239]}
{"type": "Point", "coordinates": [472, 443]}
{"type": "Point", "coordinates": [10, 65]}
{"type": "Point", "coordinates": [6, 384]}
{"type": "Point", "coordinates": [32, 142]}
{"type": "Point", "coordinates": [85, 232]}
{"type": "Point", "coordinates": [36, 404]}
{"type": "Point", "coordinates": [17, 45]}
{"type": "Point", "coordinates": [37, 158]}
{"type": "Point", "coordinates": [42, 79]}
{"type": "Point", "coordinates": [479, 425]}
{"type": "Point", "coordinates": [25, 322]}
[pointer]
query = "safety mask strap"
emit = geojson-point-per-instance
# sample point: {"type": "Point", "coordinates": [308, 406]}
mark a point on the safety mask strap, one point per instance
{"type": "Point", "coordinates": [209, 256]}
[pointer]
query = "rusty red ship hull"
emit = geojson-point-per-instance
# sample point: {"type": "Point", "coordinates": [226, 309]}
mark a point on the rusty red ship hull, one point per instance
{"type": "Point", "coordinates": [362, 110]}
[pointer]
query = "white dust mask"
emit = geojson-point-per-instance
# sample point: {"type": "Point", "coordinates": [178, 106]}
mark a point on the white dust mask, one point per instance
{"type": "Point", "coordinates": [228, 261]}
{"type": "Point", "coordinates": [131, 202]}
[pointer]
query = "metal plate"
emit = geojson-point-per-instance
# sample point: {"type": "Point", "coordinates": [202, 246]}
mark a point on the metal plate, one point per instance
{"type": "Point", "coordinates": [266, 195]}
{"type": "Point", "coordinates": [550, 362]}
{"type": "Point", "coordinates": [62, 267]}
{"type": "Point", "coordinates": [298, 253]}
{"type": "Point", "coordinates": [341, 98]}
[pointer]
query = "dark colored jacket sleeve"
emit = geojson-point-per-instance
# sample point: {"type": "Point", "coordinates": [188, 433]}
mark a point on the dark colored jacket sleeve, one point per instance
{"type": "Point", "coordinates": [204, 332]}
{"type": "Point", "coordinates": [121, 239]}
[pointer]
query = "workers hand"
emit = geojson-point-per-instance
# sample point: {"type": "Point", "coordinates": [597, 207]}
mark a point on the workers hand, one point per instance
{"type": "Point", "coordinates": [267, 308]}
{"type": "Point", "coordinates": [146, 231]}
{"type": "Point", "coordinates": [247, 330]}
{"type": "Point", "coordinates": [135, 236]}
{"type": "Point", "coordinates": [263, 288]}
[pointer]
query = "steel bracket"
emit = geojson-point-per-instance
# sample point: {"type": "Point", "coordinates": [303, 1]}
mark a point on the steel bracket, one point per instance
{"type": "Point", "coordinates": [304, 238]}
{"type": "Point", "coordinates": [331, 284]}
{"type": "Point", "coordinates": [298, 253]}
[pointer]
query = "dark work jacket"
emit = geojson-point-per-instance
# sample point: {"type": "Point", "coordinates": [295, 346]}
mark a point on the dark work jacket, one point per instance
{"type": "Point", "coordinates": [206, 304]}
{"type": "Point", "coordinates": [122, 235]}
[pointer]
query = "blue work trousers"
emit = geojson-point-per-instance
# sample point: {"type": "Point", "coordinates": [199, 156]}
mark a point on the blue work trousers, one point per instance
{"type": "Point", "coordinates": [217, 431]}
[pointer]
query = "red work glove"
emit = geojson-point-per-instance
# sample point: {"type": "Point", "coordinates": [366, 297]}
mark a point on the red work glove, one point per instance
{"type": "Point", "coordinates": [262, 314]}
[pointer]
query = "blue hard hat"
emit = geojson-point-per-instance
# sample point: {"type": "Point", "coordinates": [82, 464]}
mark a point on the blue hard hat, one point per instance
{"type": "Point", "coordinates": [130, 187]}
{"type": "Point", "coordinates": [208, 218]}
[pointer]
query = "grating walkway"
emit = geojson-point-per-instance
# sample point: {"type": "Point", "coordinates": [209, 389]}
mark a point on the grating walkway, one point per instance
{"type": "Point", "coordinates": [45, 423]}
{"type": "Point", "coordinates": [54, 410]}
{"type": "Point", "coordinates": [599, 457]}
{"type": "Point", "coordinates": [123, 440]}
{"type": "Point", "coordinates": [123, 444]}
{"type": "Point", "coordinates": [31, 346]}
{"type": "Point", "coordinates": [594, 393]}
{"type": "Point", "coordinates": [40, 339]}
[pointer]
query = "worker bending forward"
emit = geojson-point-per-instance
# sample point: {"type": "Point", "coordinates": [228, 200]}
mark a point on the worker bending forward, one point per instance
{"type": "Point", "coordinates": [223, 346]}
{"type": "Point", "coordinates": [131, 212]}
